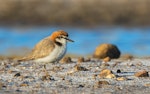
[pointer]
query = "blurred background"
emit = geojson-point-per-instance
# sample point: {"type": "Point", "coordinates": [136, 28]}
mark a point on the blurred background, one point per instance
{"type": "Point", "coordinates": [125, 23]}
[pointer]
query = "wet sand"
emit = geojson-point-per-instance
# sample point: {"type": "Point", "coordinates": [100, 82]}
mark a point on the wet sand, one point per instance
{"type": "Point", "coordinates": [30, 77]}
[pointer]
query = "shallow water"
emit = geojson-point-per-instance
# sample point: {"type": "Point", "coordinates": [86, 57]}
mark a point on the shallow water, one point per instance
{"type": "Point", "coordinates": [129, 40]}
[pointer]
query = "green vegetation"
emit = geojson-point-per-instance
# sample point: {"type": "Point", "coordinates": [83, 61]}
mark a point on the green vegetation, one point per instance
{"type": "Point", "coordinates": [75, 12]}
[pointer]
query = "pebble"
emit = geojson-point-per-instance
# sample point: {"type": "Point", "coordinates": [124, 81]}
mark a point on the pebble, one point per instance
{"type": "Point", "coordinates": [66, 60]}
{"type": "Point", "coordinates": [23, 84]}
{"type": "Point", "coordinates": [101, 84]}
{"type": "Point", "coordinates": [107, 59]}
{"type": "Point", "coordinates": [106, 73]}
{"type": "Point", "coordinates": [80, 60]}
{"type": "Point", "coordinates": [17, 74]}
{"type": "Point", "coordinates": [118, 71]}
{"type": "Point", "coordinates": [142, 73]}
{"type": "Point", "coordinates": [121, 78]}
{"type": "Point", "coordinates": [80, 68]}
{"type": "Point", "coordinates": [147, 85]}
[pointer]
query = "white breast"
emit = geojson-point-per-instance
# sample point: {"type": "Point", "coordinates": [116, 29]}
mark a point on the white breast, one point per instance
{"type": "Point", "coordinates": [54, 56]}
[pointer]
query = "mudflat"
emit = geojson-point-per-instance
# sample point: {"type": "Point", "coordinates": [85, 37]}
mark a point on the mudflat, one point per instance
{"type": "Point", "coordinates": [75, 77]}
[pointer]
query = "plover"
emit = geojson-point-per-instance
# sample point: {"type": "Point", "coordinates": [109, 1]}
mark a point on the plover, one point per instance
{"type": "Point", "coordinates": [50, 49]}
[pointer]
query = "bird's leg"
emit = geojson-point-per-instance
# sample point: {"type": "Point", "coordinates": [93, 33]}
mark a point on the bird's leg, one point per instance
{"type": "Point", "coordinates": [56, 62]}
{"type": "Point", "coordinates": [46, 76]}
{"type": "Point", "coordinates": [44, 68]}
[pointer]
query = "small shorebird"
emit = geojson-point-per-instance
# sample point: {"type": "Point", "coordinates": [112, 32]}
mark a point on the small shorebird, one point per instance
{"type": "Point", "coordinates": [49, 50]}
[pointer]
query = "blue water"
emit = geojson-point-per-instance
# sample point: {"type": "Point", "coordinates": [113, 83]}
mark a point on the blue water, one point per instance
{"type": "Point", "coordinates": [135, 41]}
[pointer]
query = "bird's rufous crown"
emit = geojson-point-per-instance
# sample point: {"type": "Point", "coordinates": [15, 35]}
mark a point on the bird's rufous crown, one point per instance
{"type": "Point", "coordinates": [58, 33]}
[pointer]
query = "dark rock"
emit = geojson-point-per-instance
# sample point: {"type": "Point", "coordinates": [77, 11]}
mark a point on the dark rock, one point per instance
{"type": "Point", "coordinates": [17, 75]}
{"type": "Point", "coordinates": [118, 71]}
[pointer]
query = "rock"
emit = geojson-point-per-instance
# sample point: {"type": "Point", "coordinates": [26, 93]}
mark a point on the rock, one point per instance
{"type": "Point", "coordinates": [71, 72]}
{"type": "Point", "coordinates": [106, 73]}
{"type": "Point", "coordinates": [139, 64]}
{"type": "Point", "coordinates": [1, 85]}
{"type": "Point", "coordinates": [100, 84]}
{"type": "Point", "coordinates": [15, 64]}
{"type": "Point", "coordinates": [142, 73]}
{"type": "Point", "coordinates": [118, 71]}
{"type": "Point", "coordinates": [87, 59]}
{"type": "Point", "coordinates": [80, 68]}
{"type": "Point", "coordinates": [94, 76]}
{"type": "Point", "coordinates": [23, 84]}
{"type": "Point", "coordinates": [121, 78]}
{"type": "Point", "coordinates": [110, 76]}
{"type": "Point", "coordinates": [115, 64]}
{"type": "Point", "coordinates": [81, 59]}
{"type": "Point", "coordinates": [57, 68]}
{"type": "Point", "coordinates": [47, 77]}
{"type": "Point", "coordinates": [107, 59]}
{"type": "Point", "coordinates": [107, 50]}
{"type": "Point", "coordinates": [81, 86]}
{"type": "Point", "coordinates": [17, 75]}
{"type": "Point", "coordinates": [104, 65]}
{"type": "Point", "coordinates": [66, 60]}
{"type": "Point", "coordinates": [147, 85]}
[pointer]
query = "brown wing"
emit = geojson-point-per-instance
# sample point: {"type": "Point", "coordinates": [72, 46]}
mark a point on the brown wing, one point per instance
{"type": "Point", "coordinates": [42, 49]}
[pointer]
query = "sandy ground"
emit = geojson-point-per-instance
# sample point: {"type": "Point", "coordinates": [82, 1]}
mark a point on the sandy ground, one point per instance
{"type": "Point", "coordinates": [30, 77]}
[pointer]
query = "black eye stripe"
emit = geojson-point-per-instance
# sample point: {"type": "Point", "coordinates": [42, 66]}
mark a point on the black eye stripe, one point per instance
{"type": "Point", "coordinates": [61, 37]}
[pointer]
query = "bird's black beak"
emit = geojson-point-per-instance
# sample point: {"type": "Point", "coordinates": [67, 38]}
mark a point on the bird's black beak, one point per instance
{"type": "Point", "coordinates": [68, 39]}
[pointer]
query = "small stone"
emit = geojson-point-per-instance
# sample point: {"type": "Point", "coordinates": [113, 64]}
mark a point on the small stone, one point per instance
{"type": "Point", "coordinates": [80, 68]}
{"type": "Point", "coordinates": [106, 73]}
{"type": "Point", "coordinates": [1, 85]}
{"type": "Point", "coordinates": [23, 84]}
{"type": "Point", "coordinates": [47, 77]}
{"type": "Point", "coordinates": [17, 75]}
{"type": "Point", "coordinates": [80, 86]}
{"type": "Point", "coordinates": [116, 63]}
{"type": "Point", "coordinates": [100, 84]}
{"type": "Point", "coordinates": [81, 59]}
{"type": "Point", "coordinates": [63, 78]}
{"type": "Point", "coordinates": [70, 72]}
{"type": "Point", "coordinates": [57, 68]}
{"type": "Point", "coordinates": [107, 59]}
{"type": "Point", "coordinates": [147, 85]}
{"type": "Point", "coordinates": [142, 73]}
{"type": "Point", "coordinates": [121, 79]}
{"type": "Point", "coordinates": [105, 64]}
{"type": "Point", "coordinates": [15, 64]}
{"type": "Point", "coordinates": [94, 76]}
{"type": "Point", "coordinates": [18, 90]}
{"type": "Point", "coordinates": [66, 60]}
{"type": "Point", "coordinates": [118, 71]}
{"type": "Point", "coordinates": [9, 71]}
{"type": "Point", "coordinates": [139, 64]}
{"type": "Point", "coordinates": [110, 76]}
{"type": "Point", "coordinates": [38, 85]}
{"type": "Point", "coordinates": [87, 60]}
